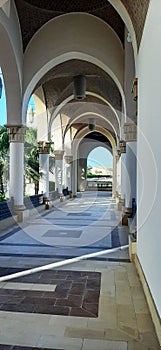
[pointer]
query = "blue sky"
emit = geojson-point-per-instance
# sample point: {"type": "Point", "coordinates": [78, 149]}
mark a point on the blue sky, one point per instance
{"type": "Point", "coordinates": [3, 119]}
{"type": "Point", "coordinates": [100, 157]}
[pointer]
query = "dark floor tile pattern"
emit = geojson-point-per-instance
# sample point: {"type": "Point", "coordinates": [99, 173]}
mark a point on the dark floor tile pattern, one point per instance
{"type": "Point", "coordinates": [76, 294]}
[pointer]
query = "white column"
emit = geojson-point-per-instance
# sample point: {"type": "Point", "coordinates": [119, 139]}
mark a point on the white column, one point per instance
{"type": "Point", "coordinates": [68, 172]}
{"type": "Point", "coordinates": [59, 170]}
{"type": "Point", "coordinates": [118, 165]}
{"type": "Point", "coordinates": [74, 177]}
{"type": "Point", "coordinates": [130, 131]}
{"type": "Point", "coordinates": [114, 175]}
{"type": "Point", "coordinates": [44, 150]}
{"type": "Point", "coordinates": [123, 175]}
{"type": "Point", "coordinates": [17, 133]}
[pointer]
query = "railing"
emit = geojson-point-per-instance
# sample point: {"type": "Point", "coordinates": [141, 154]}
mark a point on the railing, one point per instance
{"type": "Point", "coordinates": [99, 185]}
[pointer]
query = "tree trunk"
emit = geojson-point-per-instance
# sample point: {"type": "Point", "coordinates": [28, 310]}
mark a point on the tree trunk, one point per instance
{"type": "Point", "coordinates": [1, 179]}
{"type": "Point", "coordinates": [36, 187]}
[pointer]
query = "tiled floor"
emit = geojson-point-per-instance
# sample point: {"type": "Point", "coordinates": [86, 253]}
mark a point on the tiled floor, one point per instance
{"type": "Point", "coordinates": [74, 294]}
{"type": "Point", "coordinates": [112, 315]}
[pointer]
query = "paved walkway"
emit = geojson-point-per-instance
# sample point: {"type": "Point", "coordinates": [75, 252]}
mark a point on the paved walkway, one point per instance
{"type": "Point", "coordinates": [91, 304]}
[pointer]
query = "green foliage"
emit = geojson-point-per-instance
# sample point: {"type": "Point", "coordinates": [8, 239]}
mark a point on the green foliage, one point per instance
{"type": "Point", "coordinates": [4, 148]}
{"type": "Point", "coordinates": [32, 157]}
{"type": "Point", "coordinates": [4, 142]}
{"type": "Point", "coordinates": [2, 197]}
{"type": "Point", "coordinates": [92, 176]}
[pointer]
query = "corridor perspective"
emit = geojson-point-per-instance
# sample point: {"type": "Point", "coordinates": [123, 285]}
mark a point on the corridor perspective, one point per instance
{"type": "Point", "coordinates": [95, 303]}
{"type": "Point", "coordinates": [80, 165]}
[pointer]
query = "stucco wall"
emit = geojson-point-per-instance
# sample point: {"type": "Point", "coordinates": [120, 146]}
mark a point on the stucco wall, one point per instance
{"type": "Point", "coordinates": [149, 152]}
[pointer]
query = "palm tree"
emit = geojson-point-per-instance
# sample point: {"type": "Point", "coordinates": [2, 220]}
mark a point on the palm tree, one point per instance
{"type": "Point", "coordinates": [4, 148]}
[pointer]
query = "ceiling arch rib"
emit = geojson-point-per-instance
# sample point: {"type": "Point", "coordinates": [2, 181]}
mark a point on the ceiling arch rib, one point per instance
{"type": "Point", "coordinates": [33, 14]}
{"type": "Point", "coordinates": [85, 131]}
{"type": "Point", "coordinates": [79, 117]}
{"type": "Point", "coordinates": [70, 98]}
{"type": "Point", "coordinates": [93, 141]}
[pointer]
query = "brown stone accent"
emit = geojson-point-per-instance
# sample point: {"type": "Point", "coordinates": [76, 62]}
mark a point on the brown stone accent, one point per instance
{"type": "Point", "coordinates": [58, 154]}
{"type": "Point", "coordinates": [76, 294]}
{"type": "Point", "coordinates": [130, 131]}
{"type": "Point", "coordinates": [122, 145]}
{"type": "Point", "coordinates": [44, 147]}
{"type": "Point", "coordinates": [16, 133]}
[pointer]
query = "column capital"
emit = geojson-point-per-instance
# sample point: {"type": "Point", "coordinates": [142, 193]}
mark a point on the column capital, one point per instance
{"type": "Point", "coordinates": [17, 133]}
{"type": "Point", "coordinates": [58, 154]}
{"type": "Point", "coordinates": [44, 147]}
{"type": "Point", "coordinates": [122, 145]}
{"type": "Point", "coordinates": [68, 159]}
{"type": "Point", "coordinates": [130, 131]}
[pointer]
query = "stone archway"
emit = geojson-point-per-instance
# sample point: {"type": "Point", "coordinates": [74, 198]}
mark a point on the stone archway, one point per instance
{"type": "Point", "coordinates": [75, 146]}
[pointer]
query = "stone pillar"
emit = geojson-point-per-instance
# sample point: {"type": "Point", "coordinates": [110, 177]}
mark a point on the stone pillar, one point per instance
{"type": "Point", "coordinates": [82, 174]}
{"type": "Point", "coordinates": [114, 182]}
{"type": "Point", "coordinates": [16, 138]}
{"type": "Point", "coordinates": [74, 176]}
{"type": "Point", "coordinates": [130, 131]}
{"type": "Point", "coordinates": [59, 171]}
{"type": "Point", "coordinates": [44, 150]}
{"type": "Point", "coordinates": [122, 145]}
{"type": "Point", "coordinates": [68, 172]}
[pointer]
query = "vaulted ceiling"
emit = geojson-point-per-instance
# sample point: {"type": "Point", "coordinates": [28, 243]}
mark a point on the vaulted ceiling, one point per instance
{"type": "Point", "coordinates": [58, 82]}
{"type": "Point", "coordinates": [34, 13]}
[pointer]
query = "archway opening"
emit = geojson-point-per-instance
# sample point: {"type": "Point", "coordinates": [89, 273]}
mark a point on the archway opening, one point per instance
{"type": "Point", "coordinates": [95, 163]}
{"type": "Point", "coordinates": [100, 169]}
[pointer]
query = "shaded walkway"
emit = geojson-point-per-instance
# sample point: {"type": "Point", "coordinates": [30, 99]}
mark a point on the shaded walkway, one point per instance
{"type": "Point", "coordinates": [75, 227]}
{"type": "Point", "coordinates": [88, 305]}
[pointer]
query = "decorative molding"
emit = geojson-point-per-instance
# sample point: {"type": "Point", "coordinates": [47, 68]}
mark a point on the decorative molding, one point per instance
{"type": "Point", "coordinates": [17, 133]}
{"type": "Point", "coordinates": [19, 211]}
{"type": "Point", "coordinates": [68, 159]}
{"type": "Point", "coordinates": [122, 145]}
{"type": "Point", "coordinates": [44, 147]}
{"type": "Point", "coordinates": [58, 154]}
{"type": "Point", "coordinates": [130, 131]}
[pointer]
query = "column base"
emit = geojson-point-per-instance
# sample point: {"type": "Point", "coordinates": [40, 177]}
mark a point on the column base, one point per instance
{"type": "Point", "coordinates": [19, 211]}
{"type": "Point", "coordinates": [132, 247]}
{"type": "Point", "coordinates": [126, 215]}
{"type": "Point", "coordinates": [128, 211]}
{"type": "Point", "coordinates": [120, 203]}
{"type": "Point", "coordinates": [124, 220]}
{"type": "Point", "coordinates": [61, 197]}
